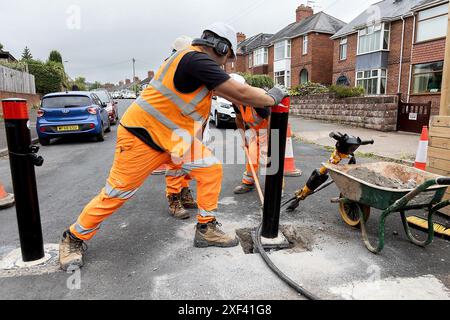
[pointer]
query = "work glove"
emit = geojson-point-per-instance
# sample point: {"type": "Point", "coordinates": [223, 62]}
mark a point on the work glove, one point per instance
{"type": "Point", "coordinates": [278, 94]}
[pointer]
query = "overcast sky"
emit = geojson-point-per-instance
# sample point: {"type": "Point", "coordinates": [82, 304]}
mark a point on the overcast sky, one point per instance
{"type": "Point", "coordinates": [99, 38]}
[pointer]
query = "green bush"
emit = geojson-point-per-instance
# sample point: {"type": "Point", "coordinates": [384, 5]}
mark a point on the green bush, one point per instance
{"type": "Point", "coordinates": [259, 81]}
{"type": "Point", "coordinates": [346, 92]}
{"type": "Point", "coordinates": [307, 89]}
{"type": "Point", "coordinates": [49, 77]}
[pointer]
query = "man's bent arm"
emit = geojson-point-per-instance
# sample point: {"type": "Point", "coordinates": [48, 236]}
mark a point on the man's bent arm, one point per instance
{"type": "Point", "coordinates": [241, 94]}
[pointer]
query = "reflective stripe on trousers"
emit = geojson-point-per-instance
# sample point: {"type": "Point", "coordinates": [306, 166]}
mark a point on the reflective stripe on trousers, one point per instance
{"type": "Point", "coordinates": [119, 194]}
{"type": "Point", "coordinates": [84, 231]}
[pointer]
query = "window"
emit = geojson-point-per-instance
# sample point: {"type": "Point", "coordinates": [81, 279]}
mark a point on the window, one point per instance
{"type": "Point", "coordinates": [280, 78]}
{"type": "Point", "coordinates": [282, 50]}
{"type": "Point", "coordinates": [288, 48]}
{"type": "Point", "coordinates": [304, 76]}
{"type": "Point", "coordinates": [260, 57]}
{"type": "Point", "coordinates": [66, 102]}
{"type": "Point", "coordinates": [432, 23]}
{"type": "Point", "coordinates": [374, 38]}
{"type": "Point", "coordinates": [343, 49]}
{"type": "Point", "coordinates": [250, 60]}
{"type": "Point", "coordinates": [305, 44]}
{"type": "Point", "coordinates": [373, 81]}
{"type": "Point", "coordinates": [427, 77]}
{"type": "Point", "coordinates": [283, 78]}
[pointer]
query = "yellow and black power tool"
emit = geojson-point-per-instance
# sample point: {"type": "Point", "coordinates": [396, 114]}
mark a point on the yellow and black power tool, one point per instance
{"type": "Point", "coordinates": [345, 148]}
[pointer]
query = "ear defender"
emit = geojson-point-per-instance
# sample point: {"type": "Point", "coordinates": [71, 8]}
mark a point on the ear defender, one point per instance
{"type": "Point", "coordinates": [220, 46]}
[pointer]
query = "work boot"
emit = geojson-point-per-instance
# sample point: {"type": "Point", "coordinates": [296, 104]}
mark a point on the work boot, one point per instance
{"type": "Point", "coordinates": [71, 250]}
{"type": "Point", "coordinates": [244, 188]}
{"type": "Point", "coordinates": [187, 200]}
{"type": "Point", "coordinates": [210, 235]}
{"type": "Point", "coordinates": [176, 208]}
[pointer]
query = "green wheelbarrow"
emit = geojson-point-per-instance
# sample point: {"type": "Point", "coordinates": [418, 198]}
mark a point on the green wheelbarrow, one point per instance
{"type": "Point", "coordinates": [359, 196]}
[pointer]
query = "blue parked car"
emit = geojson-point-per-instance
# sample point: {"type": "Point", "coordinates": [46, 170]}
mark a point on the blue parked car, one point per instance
{"type": "Point", "coordinates": [72, 113]}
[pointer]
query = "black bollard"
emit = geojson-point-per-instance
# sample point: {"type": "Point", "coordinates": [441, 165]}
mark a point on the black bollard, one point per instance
{"type": "Point", "coordinates": [23, 158]}
{"type": "Point", "coordinates": [274, 182]}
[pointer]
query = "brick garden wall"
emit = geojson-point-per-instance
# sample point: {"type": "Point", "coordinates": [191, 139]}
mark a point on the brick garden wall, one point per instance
{"type": "Point", "coordinates": [378, 113]}
{"type": "Point", "coordinates": [32, 99]}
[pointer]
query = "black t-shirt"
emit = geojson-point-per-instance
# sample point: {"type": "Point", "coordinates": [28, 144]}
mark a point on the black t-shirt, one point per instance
{"type": "Point", "coordinates": [197, 69]}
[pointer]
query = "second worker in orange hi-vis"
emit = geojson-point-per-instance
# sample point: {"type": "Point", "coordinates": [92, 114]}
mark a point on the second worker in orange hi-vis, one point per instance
{"type": "Point", "coordinates": [254, 123]}
{"type": "Point", "coordinates": [164, 126]}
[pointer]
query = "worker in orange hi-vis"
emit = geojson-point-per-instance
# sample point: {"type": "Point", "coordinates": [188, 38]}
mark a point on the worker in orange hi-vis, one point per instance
{"type": "Point", "coordinates": [179, 195]}
{"type": "Point", "coordinates": [254, 122]}
{"type": "Point", "coordinates": [164, 126]}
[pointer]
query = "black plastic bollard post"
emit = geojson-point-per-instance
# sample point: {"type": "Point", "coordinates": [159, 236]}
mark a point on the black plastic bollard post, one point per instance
{"type": "Point", "coordinates": [274, 182]}
{"type": "Point", "coordinates": [23, 158]}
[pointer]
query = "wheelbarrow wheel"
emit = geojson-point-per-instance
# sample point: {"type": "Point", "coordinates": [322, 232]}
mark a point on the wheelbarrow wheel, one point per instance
{"type": "Point", "coordinates": [350, 214]}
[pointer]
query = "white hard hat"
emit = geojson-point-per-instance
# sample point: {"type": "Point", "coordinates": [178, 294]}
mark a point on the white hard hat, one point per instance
{"type": "Point", "coordinates": [225, 31]}
{"type": "Point", "coordinates": [181, 43]}
{"type": "Point", "coordinates": [237, 78]}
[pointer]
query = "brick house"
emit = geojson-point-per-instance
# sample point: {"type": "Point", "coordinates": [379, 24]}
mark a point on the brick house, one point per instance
{"type": "Point", "coordinates": [303, 52]}
{"type": "Point", "coordinates": [394, 47]}
{"type": "Point", "coordinates": [251, 55]}
{"type": "Point", "coordinates": [300, 52]}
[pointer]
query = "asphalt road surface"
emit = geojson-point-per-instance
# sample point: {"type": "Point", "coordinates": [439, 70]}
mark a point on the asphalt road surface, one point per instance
{"type": "Point", "coordinates": [143, 253]}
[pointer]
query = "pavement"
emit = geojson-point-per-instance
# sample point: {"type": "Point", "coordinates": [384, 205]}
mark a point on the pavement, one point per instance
{"type": "Point", "coordinates": [142, 253]}
{"type": "Point", "coordinates": [400, 146]}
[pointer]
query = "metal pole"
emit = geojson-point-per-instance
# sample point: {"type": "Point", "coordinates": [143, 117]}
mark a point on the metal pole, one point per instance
{"type": "Point", "coordinates": [23, 158]}
{"type": "Point", "coordinates": [274, 182]}
{"type": "Point", "coordinates": [445, 92]}
{"type": "Point", "coordinates": [134, 75]}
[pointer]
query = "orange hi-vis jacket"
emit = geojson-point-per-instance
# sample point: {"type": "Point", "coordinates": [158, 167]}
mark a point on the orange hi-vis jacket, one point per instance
{"type": "Point", "coordinates": [174, 120]}
{"type": "Point", "coordinates": [252, 119]}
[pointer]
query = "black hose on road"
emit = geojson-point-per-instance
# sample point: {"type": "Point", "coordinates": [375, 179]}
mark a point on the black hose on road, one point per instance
{"type": "Point", "coordinates": [278, 272]}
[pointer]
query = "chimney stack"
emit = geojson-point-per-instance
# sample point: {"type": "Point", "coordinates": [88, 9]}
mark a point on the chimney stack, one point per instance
{"type": "Point", "coordinates": [241, 37]}
{"type": "Point", "coordinates": [303, 12]}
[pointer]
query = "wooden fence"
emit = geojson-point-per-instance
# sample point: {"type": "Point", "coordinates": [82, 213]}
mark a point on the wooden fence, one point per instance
{"type": "Point", "coordinates": [16, 81]}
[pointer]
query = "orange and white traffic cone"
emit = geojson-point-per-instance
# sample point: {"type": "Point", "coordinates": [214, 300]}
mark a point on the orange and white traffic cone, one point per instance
{"type": "Point", "coordinates": [422, 151]}
{"type": "Point", "coordinates": [6, 199]}
{"type": "Point", "coordinates": [289, 163]}
{"type": "Point", "coordinates": [160, 171]}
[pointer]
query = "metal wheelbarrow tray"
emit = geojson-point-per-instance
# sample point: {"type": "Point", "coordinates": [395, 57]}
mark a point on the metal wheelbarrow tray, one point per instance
{"type": "Point", "coordinates": [427, 195]}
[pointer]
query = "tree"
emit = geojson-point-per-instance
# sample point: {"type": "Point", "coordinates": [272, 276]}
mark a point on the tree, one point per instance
{"type": "Point", "coordinates": [26, 55]}
{"type": "Point", "coordinates": [49, 77]}
{"type": "Point", "coordinates": [55, 56]}
{"type": "Point", "coordinates": [95, 85]}
{"type": "Point", "coordinates": [1, 47]}
{"type": "Point", "coordinates": [80, 82]}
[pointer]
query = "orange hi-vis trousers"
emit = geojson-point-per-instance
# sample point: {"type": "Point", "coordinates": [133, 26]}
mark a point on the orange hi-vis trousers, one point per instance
{"type": "Point", "coordinates": [134, 161]}
{"type": "Point", "coordinates": [257, 147]}
{"type": "Point", "coordinates": [176, 179]}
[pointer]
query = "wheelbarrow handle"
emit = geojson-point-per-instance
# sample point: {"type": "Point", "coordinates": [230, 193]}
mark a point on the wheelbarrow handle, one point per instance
{"type": "Point", "coordinates": [444, 181]}
{"type": "Point", "coordinates": [407, 198]}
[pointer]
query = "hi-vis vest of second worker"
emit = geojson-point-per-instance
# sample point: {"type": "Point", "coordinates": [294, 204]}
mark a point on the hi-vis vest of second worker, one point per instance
{"type": "Point", "coordinates": [252, 119]}
{"type": "Point", "coordinates": [172, 119]}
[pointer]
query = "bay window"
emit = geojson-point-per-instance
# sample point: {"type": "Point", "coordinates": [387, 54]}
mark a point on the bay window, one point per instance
{"type": "Point", "coordinates": [432, 23]}
{"type": "Point", "coordinates": [283, 78]}
{"type": "Point", "coordinates": [373, 81]}
{"type": "Point", "coordinates": [427, 77]}
{"type": "Point", "coordinates": [260, 57]}
{"type": "Point", "coordinates": [374, 38]}
{"type": "Point", "coordinates": [250, 60]}
{"type": "Point", "coordinates": [282, 50]}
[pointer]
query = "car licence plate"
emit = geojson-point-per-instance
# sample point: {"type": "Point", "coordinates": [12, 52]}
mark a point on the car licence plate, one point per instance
{"type": "Point", "coordinates": [67, 128]}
